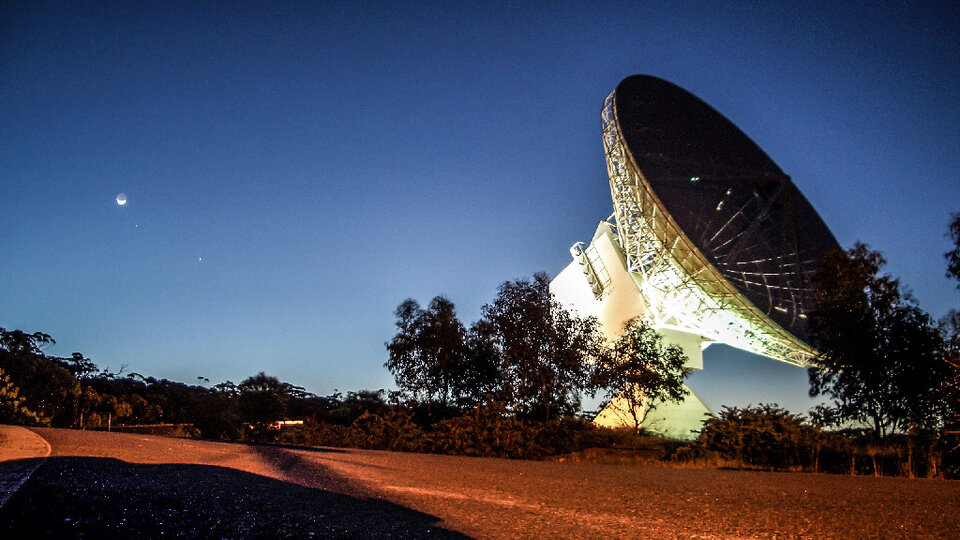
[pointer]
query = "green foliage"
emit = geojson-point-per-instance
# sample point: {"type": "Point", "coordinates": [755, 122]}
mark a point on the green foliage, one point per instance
{"type": "Point", "coordinates": [639, 368]}
{"type": "Point", "coordinates": [543, 348]}
{"type": "Point", "coordinates": [764, 436]}
{"type": "Point", "coordinates": [486, 430]}
{"type": "Point", "coordinates": [950, 328]}
{"type": "Point", "coordinates": [12, 407]}
{"type": "Point", "coordinates": [345, 411]}
{"type": "Point", "coordinates": [47, 387]}
{"type": "Point", "coordinates": [769, 437]}
{"type": "Point", "coordinates": [80, 366]}
{"type": "Point", "coordinates": [527, 350]}
{"type": "Point", "coordinates": [953, 256]}
{"type": "Point", "coordinates": [482, 375]}
{"type": "Point", "coordinates": [393, 431]}
{"type": "Point", "coordinates": [531, 356]}
{"type": "Point", "coordinates": [879, 353]}
{"type": "Point", "coordinates": [144, 412]}
{"type": "Point", "coordinates": [18, 342]}
{"type": "Point", "coordinates": [428, 355]}
{"type": "Point", "coordinates": [262, 399]}
{"type": "Point", "coordinates": [317, 434]}
{"type": "Point", "coordinates": [215, 414]}
{"type": "Point", "coordinates": [570, 434]}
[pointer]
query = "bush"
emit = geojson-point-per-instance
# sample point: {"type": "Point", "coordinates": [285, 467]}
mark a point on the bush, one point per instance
{"type": "Point", "coordinates": [568, 435]}
{"type": "Point", "coordinates": [486, 430]}
{"type": "Point", "coordinates": [316, 434]}
{"type": "Point", "coordinates": [394, 430]}
{"type": "Point", "coordinates": [765, 436]}
{"type": "Point", "coordinates": [12, 405]}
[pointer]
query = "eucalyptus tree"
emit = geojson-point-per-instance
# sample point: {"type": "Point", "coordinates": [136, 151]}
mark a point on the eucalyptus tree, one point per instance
{"type": "Point", "coordinates": [47, 386]}
{"type": "Point", "coordinates": [481, 378]}
{"type": "Point", "coordinates": [263, 399]}
{"type": "Point", "coordinates": [950, 328]}
{"type": "Point", "coordinates": [544, 350]}
{"type": "Point", "coordinates": [428, 354]}
{"type": "Point", "coordinates": [879, 352]}
{"type": "Point", "coordinates": [953, 256]}
{"type": "Point", "coordinates": [641, 370]}
{"type": "Point", "coordinates": [13, 409]}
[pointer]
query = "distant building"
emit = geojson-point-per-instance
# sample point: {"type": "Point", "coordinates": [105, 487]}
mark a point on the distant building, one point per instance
{"type": "Point", "coordinates": [277, 425]}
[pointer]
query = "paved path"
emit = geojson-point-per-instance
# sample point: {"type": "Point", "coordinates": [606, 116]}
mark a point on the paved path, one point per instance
{"type": "Point", "coordinates": [21, 452]}
{"type": "Point", "coordinates": [124, 485]}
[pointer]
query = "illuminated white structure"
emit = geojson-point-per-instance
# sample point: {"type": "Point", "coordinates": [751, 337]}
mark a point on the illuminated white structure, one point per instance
{"type": "Point", "coordinates": [710, 241]}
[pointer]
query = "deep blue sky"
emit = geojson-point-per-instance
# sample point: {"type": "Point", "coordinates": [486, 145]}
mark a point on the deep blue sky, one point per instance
{"type": "Point", "coordinates": [296, 171]}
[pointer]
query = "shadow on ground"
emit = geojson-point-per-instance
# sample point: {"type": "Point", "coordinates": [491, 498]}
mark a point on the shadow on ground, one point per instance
{"type": "Point", "coordinates": [70, 497]}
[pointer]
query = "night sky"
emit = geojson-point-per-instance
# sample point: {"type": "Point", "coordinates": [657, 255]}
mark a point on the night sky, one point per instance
{"type": "Point", "coordinates": [293, 172]}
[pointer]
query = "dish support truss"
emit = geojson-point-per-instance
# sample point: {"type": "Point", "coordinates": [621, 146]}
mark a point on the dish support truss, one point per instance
{"type": "Point", "coordinates": [681, 288]}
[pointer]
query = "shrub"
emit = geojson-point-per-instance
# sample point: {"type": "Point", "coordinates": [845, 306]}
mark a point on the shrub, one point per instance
{"type": "Point", "coordinates": [13, 409]}
{"type": "Point", "coordinates": [486, 430]}
{"type": "Point", "coordinates": [394, 430]}
{"type": "Point", "coordinates": [764, 436]}
{"type": "Point", "coordinates": [568, 435]}
{"type": "Point", "coordinates": [317, 434]}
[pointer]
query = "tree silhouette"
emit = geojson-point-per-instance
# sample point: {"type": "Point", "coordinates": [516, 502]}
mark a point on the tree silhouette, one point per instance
{"type": "Point", "coordinates": [428, 354]}
{"type": "Point", "coordinates": [48, 387]}
{"type": "Point", "coordinates": [81, 366]}
{"type": "Point", "coordinates": [953, 256]}
{"type": "Point", "coordinates": [879, 353]}
{"type": "Point", "coordinates": [544, 349]}
{"type": "Point", "coordinates": [262, 399]}
{"type": "Point", "coordinates": [950, 327]}
{"type": "Point", "coordinates": [18, 342]}
{"type": "Point", "coordinates": [766, 435]}
{"type": "Point", "coordinates": [482, 374]}
{"type": "Point", "coordinates": [13, 410]}
{"type": "Point", "coordinates": [640, 370]}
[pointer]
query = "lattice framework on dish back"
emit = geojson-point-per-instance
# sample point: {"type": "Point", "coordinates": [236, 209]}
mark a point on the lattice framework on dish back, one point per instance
{"type": "Point", "coordinates": [681, 288]}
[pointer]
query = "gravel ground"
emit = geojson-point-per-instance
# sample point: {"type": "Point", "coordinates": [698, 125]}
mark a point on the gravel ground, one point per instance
{"type": "Point", "coordinates": [122, 485]}
{"type": "Point", "coordinates": [21, 452]}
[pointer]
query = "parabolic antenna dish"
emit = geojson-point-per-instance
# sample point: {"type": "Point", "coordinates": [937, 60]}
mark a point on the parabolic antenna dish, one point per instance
{"type": "Point", "coordinates": [722, 240]}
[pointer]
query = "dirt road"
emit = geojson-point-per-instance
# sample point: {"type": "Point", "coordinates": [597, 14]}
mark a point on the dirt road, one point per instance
{"type": "Point", "coordinates": [122, 485]}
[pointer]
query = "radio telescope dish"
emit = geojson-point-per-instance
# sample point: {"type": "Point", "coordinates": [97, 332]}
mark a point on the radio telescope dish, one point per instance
{"type": "Point", "coordinates": [726, 217]}
{"type": "Point", "coordinates": [741, 217]}
{"type": "Point", "coordinates": [709, 240]}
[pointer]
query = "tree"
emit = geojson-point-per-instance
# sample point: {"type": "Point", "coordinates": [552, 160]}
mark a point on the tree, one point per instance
{"type": "Point", "coordinates": [543, 348]}
{"type": "Point", "coordinates": [879, 353]}
{"type": "Point", "coordinates": [953, 256]}
{"type": "Point", "coordinates": [639, 369]}
{"type": "Point", "coordinates": [80, 366]}
{"type": "Point", "coordinates": [87, 402]}
{"type": "Point", "coordinates": [428, 354]}
{"type": "Point", "coordinates": [766, 435]}
{"type": "Point", "coordinates": [12, 407]}
{"type": "Point", "coordinates": [19, 342]}
{"type": "Point", "coordinates": [262, 399]}
{"type": "Point", "coordinates": [482, 375]}
{"type": "Point", "coordinates": [216, 412]}
{"type": "Point", "coordinates": [48, 387]}
{"type": "Point", "coordinates": [950, 328]}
